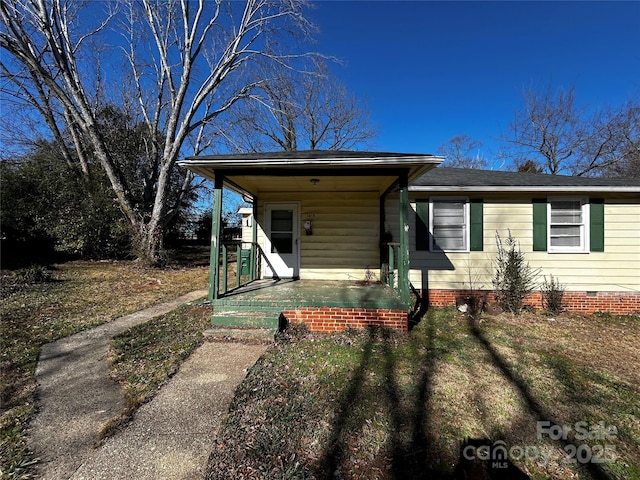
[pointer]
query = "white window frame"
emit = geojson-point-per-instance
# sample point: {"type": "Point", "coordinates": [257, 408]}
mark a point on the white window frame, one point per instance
{"type": "Point", "coordinates": [584, 226]}
{"type": "Point", "coordinates": [467, 227]}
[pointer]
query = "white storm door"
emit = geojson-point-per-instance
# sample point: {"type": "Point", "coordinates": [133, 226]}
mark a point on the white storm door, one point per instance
{"type": "Point", "coordinates": [281, 240]}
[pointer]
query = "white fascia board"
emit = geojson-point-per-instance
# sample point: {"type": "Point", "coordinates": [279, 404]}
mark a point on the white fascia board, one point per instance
{"type": "Point", "coordinates": [417, 160]}
{"type": "Point", "coordinates": [502, 189]}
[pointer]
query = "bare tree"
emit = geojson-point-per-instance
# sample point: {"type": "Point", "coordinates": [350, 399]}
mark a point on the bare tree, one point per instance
{"type": "Point", "coordinates": [462, 151]}
{"type": "Point", "coordinates": [613, 144]}
{"type": "Point", "coordinates": [307, 110]}
{"type": "Point", "coordinates": [548, 130]}
{"type": "Point", "coordinates": [186, 63]}
{"type": "Point", "coordinates": [561, 137]}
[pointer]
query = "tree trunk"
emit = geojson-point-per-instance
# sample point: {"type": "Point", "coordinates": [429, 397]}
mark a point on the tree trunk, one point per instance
{"type": "Point", "coordinates": [184, 85]}
{"type": "Point", "coordinates": [149, 245]}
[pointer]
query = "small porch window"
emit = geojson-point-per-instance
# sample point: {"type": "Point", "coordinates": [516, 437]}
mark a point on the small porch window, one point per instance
{"type": "Point", "coordinates": [282, 231]}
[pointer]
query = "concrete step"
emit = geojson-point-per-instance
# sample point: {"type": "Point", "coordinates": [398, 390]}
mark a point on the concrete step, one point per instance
{"type": "Point", "coordinates": [239, 334]}
{"type": "Point", "coordinates": [244, 318]}
{"type": "Point", "coordinates": [251, 307]}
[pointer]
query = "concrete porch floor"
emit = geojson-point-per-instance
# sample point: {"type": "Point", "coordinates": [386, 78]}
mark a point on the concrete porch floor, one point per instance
{"type": "Point", "coordinates": [283, 294]}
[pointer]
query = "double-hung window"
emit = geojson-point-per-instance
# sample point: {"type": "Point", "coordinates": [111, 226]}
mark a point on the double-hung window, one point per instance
{"type": "Point", "coordinates": [449, 225]}
{"type": "Point", "coordinates": [568, 225]}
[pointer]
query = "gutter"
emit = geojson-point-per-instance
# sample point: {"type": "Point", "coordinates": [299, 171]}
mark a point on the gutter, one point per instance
{"type": "Point", "coordinates": [507, 189]}
{"type": "Point", "coordinates": [417, 161]}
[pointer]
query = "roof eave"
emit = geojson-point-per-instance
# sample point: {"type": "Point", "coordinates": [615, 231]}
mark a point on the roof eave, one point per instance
{"type": "Point", "coordinates": [540, 188]}
{"type": "Point", "coordinates": [418, 165]}
{"type": "Point", "coordinates": [272, 163]}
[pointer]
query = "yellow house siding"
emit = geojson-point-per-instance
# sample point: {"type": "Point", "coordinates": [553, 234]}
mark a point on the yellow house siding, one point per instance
{"type": "Point", "coordinates": [247, 229]}
{"type": "Point", "coordinates": [615, 269]}
{"type": "Point", "coordinates": [246, 236]}
{"type": "Point", "coordinates": [345, 236]}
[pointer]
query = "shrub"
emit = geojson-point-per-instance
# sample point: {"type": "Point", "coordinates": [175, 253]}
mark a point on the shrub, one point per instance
{"type": "Point", "coordinates": [33, 274]}
{"type": "Point", "coordinates": [52, 209]}
{"type": "Point", "coordinates": [514, 277]}
{"type": "Point", "coordinates": [552, 293]}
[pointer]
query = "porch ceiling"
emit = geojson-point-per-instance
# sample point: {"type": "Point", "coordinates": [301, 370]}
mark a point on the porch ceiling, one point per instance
{"type": "Point", "coordinates": [304, 184]}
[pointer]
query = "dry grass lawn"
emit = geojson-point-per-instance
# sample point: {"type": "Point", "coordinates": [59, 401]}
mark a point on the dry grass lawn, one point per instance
{"type": "Point", "coordinates": [378, 405]}
{"type": "Point", "coordinates": [80, 295]}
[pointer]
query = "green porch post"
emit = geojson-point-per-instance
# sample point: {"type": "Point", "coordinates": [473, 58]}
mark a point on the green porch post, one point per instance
{"type": "Point", "coordinates": [216, 227]}
{"type": "Point", "coordinates": [253, 269]}
{"type": "Point", "coordinates": [403, 251]}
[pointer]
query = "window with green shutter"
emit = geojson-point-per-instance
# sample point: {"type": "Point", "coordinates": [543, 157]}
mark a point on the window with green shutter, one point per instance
{"type": "Point", "coordinates": [596, 224]}
{"type": "Point", "coordinates": [449, 224]}
{"type": "Point", "coordinates": [539, 224]}
{"type": "Point", "coordinates": [422, 225]}
{"type": "Point", "coordinates": [568, 225]}
{"type": "Point", "coordinates": [476, 225]}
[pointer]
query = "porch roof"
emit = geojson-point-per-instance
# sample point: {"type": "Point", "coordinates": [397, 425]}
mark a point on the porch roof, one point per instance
{"type": "Point", "coordinates": [241, 170]}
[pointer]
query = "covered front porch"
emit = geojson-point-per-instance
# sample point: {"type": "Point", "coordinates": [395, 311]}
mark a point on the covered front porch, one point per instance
{"type": "Point", "coordinates": [316, 216]}
{"type": "Point", "coordinates": [325, 305]}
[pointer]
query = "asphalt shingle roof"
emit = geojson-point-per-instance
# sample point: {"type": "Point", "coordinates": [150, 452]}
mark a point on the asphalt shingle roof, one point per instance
{"type": "Point", "coordinates": [463, 177]}
{"type": "Point", "coordinates": [438, 178]}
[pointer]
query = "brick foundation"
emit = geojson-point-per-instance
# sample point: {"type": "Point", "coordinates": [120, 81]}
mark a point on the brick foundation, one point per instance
{"type": "Point", "coordinates": [621, 303]}
{"type": "Point", "coordinates": [335, 319]}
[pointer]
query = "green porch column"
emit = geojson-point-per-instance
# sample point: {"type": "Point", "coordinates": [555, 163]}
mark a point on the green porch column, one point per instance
{"type": "Point", "coordinates": [216, 230]}
{"type": "Point", "coordinates": [403, 251]}
{"type": "Point", "coordinates": [254, 255]}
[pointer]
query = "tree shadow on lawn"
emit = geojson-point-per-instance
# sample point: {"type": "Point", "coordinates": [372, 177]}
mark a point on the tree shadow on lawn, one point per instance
{"type": "Point", "coordinates": [412, 450]}
{"type": "Point", "coordinates": [536, 409]}
{"type": "Point", "coordinates": [409, 459]}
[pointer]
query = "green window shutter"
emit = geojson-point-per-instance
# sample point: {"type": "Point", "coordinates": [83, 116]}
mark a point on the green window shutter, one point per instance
{"type": "Point", "coordinates": [422, 225]}
{"type": "Point", "coordinates": [596, 227]}
{"type": "Point", "coordinates": [476, 233]}
{"type": "Point", "coordinates": [539, 224]}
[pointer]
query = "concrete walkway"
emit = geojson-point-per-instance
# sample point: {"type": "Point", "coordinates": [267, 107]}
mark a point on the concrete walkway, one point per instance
{"type": "Point", "coordinates": [169, 437]}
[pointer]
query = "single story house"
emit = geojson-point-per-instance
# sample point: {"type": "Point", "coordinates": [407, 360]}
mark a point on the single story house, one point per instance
{"type": "Point", "coordinates": [354, 217]}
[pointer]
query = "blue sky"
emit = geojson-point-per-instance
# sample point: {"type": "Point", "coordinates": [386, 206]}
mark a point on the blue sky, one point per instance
{"type": "Point", "coordinates": [432, 70]}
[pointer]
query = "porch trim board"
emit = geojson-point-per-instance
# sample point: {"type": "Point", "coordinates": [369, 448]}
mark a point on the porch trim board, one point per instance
{"type": "Point", "coordinates": [216, 229]}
